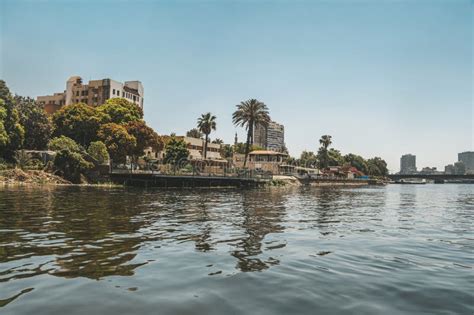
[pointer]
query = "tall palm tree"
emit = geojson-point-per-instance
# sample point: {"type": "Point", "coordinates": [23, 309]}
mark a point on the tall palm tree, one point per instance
{"type": "Point", "coordinates": [206, 123]}
{"type": "Point", "coordinates": [249, 114]}
{"type": "Point", "coordinates": [325, 142]}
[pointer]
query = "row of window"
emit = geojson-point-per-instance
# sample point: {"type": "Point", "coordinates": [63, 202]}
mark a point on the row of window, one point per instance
{"type": "Point", "coordinates": [86, 92]}
{"type": "Point", "coordinates": [131, 96]}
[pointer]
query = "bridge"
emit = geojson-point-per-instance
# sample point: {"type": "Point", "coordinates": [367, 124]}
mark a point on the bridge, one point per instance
{"type": "Point", "coordinates": [435, 177]}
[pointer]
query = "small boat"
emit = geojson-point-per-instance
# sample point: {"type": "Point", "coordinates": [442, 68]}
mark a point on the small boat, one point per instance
{"type": "Point", "coordinates": [411, 181]}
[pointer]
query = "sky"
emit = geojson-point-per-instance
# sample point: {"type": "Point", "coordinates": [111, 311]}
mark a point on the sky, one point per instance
{"type": "Point", "coordinates": [384, 78]}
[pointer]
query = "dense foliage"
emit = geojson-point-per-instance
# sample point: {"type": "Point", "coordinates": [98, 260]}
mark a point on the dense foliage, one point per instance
{"type": "Point", "coordinates": [176, 151]}
{"type": "Point", "coordinates": [12, 133]}
{"type": "Point", "coordinates": [64, 143]}
{"type": "Point", "coordinates": [118, 141]}
{"type": "Point", "coordinates": [38, 128]}
{"type": "Point", "coordinates": [71, 165]}
{"type": "Point", "coordinates": [194, 133]}
{"type": "Point", "coordinates": [120, 111]}
{"type": "Point", "coordinates": [79, 122]}
{"type": "Point", "coordinates": [98, 151]}
{"type": "Point", "coordinates": [145, 137]}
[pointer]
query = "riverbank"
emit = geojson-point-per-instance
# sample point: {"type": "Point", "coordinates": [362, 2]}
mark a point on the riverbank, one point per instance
{"type": "Point", "coordinates": [18, 176]}
{"type": "Point", "coordinates": [293, 181]}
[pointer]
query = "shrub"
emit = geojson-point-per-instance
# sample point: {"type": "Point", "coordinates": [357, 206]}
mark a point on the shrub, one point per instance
{"type": "Point", "coordinates": [22, 159]}
{"type": "Point", "coordinates": [98, 151]}
{"type": "Point", "coordinates": [71, 165]}
{"type": "Point", "coordinates": [64, 143]}
{"type": "Point", "coordinates": [3, 165]}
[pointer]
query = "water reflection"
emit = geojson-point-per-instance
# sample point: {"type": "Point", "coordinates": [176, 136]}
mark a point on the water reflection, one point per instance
{"type": "Point", "coordinates": [262, 215]}
{"type": "Point", "coordinates": [79, 234]}
{"type": "Point", "coordinates": [186, 241]}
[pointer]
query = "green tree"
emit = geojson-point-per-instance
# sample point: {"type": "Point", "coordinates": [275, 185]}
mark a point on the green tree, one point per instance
{"type": "Point", "coordinates": [38, 127]}
{"type": "Point", "coordinates": [145, 137]}
{"type": "Point", "coordinates": [356, 161]}
{"type": "Point", "coordinates": [64, 143]}
{"type": "Point", "coordinates": [194, 133]}
{"type": "Point", "coordinates": [98, 151]}
{"type": "Point", "coordinates": [79, 122]}
{"type": "Point", "coordinates": [3, 132]}
{"type": "Point", "coordinates": [70, 165]}
{"type": "Point", "coordinates": [206, 123]}
{"type": "Point", "coordinates": [323, 154]}
{"type": "Point", "coordinates": [335, 158]}
{"type": "Point", "coordinates": [118, 141]}
{"type": "Point", "coordinates": [308, 159]}
{"type": "Point", "coordinates": [176, 151]}
{"type": "Point", "coordinates": [120, 111]}
{"type": "Point", "coordinates": [218, 141]}
{"type": "Point", "coordinates": [12, 133]}
{"type": "Point", "coordinates": [249, 114]}
{"type": "Point", "coordinates": [377, 167]}
{"type": "Point", "coordinates": [226, 151]}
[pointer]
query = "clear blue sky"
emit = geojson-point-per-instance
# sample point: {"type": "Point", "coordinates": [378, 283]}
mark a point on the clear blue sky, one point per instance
{"type": "Point", "coordinates": [383, 78]}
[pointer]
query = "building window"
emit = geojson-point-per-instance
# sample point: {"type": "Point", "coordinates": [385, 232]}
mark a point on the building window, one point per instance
{"type": "Point", "coordinates": [77, 93]}
{"type": "Point", "coordinates": [123, 94]}
{"type": "Point", "coordinates": [113, 92]}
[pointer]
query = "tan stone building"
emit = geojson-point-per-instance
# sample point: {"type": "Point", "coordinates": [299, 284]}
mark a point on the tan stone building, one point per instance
{"type": "Point", "coordinates": [95, 93]}
{"type": "Point", "coordinates": [261, 160]}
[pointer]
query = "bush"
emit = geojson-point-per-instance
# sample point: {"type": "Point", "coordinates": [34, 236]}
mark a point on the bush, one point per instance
{"type": "Point", "coordinates": [35, 164]}
{"type": "Point", "coordinates": [71, 165]}
{"type": "Point", "coordinates": [3, 165]}
{"type": "Point", "coordinates": [98, 151]}
{"type": "Point", "coordinates": [22, 159]}
{"type": "Point", "coordinates": [64, 143]}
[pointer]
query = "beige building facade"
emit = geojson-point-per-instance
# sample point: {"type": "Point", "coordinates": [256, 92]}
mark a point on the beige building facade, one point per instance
{"type": "Point", "coordinates": [95, 93]}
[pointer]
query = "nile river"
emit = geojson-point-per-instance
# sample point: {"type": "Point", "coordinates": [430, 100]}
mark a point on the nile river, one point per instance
{"type": "Point", "coordinates": [399, 249]}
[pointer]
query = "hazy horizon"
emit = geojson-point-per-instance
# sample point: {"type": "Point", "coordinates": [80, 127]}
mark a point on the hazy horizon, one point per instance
{"type": "Point", "coordinates": [383, 78]}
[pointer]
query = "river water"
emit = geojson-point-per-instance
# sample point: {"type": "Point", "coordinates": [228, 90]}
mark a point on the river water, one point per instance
{"type": "Point", "coordinates": [399, 249]}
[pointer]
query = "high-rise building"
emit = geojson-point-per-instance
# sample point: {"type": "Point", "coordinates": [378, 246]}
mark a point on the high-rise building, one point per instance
{"type": "Point", "coordinates": [408, 164]}
{"type": "Point", "coordinates": [449, 169]}
{"type": "Point", "coordinates": [271, 137]}
{"type": "Point", "coordinates": [459, 168]}
{"type": "Point", "coordinates": [95, 93]}
{"type": "Point", "coordinates": [468, 159]}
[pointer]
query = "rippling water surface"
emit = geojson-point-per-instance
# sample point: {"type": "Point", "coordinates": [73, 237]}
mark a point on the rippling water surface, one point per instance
{"type": "Point", "coordinates": [382, 250]}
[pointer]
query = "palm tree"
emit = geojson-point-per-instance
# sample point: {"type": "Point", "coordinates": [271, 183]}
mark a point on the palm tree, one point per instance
{"type": "Point", "coordinates": [325, 142]}
{"type": "Point", "coordinates": [218, 141]}
{"type": "Point", "coordinates": [249, 114]}
{"type": "Point", "coordinates": [206, 123]}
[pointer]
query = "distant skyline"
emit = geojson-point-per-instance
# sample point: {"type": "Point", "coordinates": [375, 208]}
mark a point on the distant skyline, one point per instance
{"type": "Point", "coordinates": [384, 78]}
